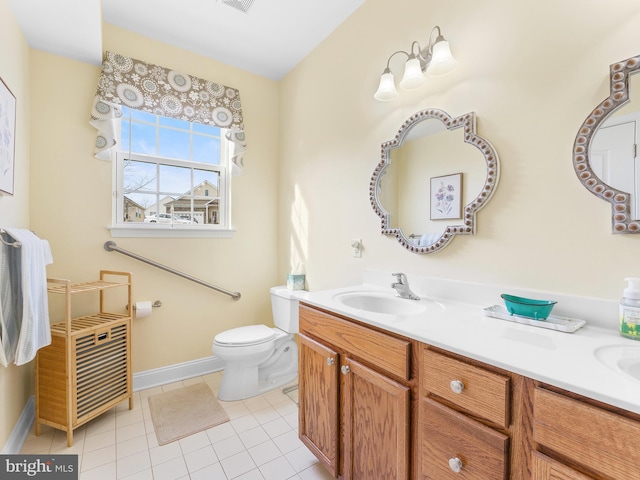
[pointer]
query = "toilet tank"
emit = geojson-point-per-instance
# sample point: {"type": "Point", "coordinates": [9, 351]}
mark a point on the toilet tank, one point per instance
{"type": "Point", "coordinates": [284, 308]}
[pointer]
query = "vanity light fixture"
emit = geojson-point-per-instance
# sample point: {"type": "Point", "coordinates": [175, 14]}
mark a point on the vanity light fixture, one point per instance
{"type": "Point", "coordinates": [436, 59]}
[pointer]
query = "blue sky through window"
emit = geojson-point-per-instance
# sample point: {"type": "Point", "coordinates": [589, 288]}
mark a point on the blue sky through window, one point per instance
{"type": "Point", "coordinates": [148, 134]}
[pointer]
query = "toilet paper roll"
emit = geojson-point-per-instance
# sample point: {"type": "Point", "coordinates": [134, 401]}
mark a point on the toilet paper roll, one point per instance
{"type": "Point", "coordinates": [143, 309]}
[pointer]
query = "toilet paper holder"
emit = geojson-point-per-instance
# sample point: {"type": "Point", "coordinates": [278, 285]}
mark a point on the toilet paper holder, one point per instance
{"type": "Point", "coordinates": [156, 304]}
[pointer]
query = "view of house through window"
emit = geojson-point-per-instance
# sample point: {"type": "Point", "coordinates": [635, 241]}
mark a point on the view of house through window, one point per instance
{"type": "Point", "coordinates": [171, 172]}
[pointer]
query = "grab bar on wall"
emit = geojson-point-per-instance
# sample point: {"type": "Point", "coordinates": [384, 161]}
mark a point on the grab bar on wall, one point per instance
{"type": "Point", "coordinates": [112, 247]}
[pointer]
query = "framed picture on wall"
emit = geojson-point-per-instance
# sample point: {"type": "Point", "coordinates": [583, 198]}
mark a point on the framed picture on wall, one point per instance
{"type": "Point", "coordinates": [7, 138]}
{"type": "Point", "coordinates": [446, 197]}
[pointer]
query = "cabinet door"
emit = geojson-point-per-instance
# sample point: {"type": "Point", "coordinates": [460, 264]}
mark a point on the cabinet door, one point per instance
{"type": "Point", "coordinates": [318, 401]}
{"type": "Point", "coordinates": [602, 442]}
{"type": "Point", "coordinates": [375, 422]}
{"type": "Point", "coordinates": [545, 468]}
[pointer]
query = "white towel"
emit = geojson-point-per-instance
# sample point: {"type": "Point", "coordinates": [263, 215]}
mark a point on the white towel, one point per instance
{"type": "Point", "coordinates": [426, 240]}
{"type": "Point", "coordinates": [33, 320]}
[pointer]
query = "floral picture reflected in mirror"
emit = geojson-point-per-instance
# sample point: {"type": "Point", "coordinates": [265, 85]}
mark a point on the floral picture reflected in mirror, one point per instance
{"type": "Point", "coordinates": [432, 179]}
{"type": "Point", "coordinates": [605, 149]}
{"type": "Point", "coordinates": [446, 197]}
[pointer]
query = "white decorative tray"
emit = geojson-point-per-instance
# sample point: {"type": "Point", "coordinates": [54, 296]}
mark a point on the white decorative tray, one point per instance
{"type": "Point", "coordinates": [553, 322]}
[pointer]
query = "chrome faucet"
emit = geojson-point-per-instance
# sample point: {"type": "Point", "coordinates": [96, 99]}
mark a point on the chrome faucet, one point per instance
{"type": "Point", "coordinates": [402, 287]}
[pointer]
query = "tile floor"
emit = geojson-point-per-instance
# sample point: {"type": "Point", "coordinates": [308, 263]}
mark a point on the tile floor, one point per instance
{"type": "Point", "coordinates": [260, 442]}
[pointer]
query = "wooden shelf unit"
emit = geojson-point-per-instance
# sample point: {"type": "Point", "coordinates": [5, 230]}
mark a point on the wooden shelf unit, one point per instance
{"type": "Point", "coordinates": [86, 369]}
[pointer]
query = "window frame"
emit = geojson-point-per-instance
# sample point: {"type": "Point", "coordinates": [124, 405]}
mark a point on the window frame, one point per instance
{"type": "Point", "coordinates": [173, 230]}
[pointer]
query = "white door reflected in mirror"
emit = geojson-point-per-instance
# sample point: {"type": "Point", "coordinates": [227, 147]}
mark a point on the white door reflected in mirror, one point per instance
{"type": "Point", "coordinates": [613, 158]}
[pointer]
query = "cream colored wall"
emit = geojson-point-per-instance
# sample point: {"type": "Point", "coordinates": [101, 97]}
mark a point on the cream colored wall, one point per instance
{"type": "Point", "coordinates": [15, 382]}
{"type": "Point", "coordinates": [71, 197]}
{"type": "Point", "coordinates": [532, 71]}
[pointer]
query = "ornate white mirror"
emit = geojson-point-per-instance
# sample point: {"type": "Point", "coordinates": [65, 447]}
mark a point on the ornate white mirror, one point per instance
{"type": "Point", "coordinates": [605, 151]}
{"type": "Point", "coordinates": [432, 178]}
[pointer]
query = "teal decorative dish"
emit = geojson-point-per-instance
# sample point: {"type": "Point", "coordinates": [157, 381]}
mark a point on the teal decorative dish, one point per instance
{"type": "Point", "coordinates": [528, 307]}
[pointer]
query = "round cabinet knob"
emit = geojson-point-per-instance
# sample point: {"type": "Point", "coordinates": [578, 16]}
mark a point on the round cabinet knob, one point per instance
{"type": "Point", "coordinates": [457, 386]}
{"type": "Point", "coordinates": [330, 361]}
{"type": "Point", "coordinates": [455, 464]}
{"type": "Point", "coordinates": [345, 369]}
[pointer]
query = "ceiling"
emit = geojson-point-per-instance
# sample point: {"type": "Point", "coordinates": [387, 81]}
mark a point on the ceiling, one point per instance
{"type": "Point", "coordinates": [269, 39]}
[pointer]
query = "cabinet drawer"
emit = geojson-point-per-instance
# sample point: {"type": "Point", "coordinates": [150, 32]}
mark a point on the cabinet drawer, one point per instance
{"type": "Point", "coordinates": [601, 441]}
{"type": "Point", "coordinates": [449, 437]}
{"type": "Point", "coordinates": [481, 393]}
{"type": "Point", "coordinates": [386, 352]}
{"type": "Point", "coordinates": [545, 468]}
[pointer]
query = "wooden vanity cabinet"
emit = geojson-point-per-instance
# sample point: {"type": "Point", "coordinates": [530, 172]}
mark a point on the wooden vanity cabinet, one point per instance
{"type": "Point", "coordinates": [374, 405]}
{"type": "Point", "coordinates": [354, 397]}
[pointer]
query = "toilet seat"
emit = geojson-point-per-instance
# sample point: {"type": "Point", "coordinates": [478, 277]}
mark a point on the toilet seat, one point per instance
{"type": "Point", "coordinates": [245, 336]}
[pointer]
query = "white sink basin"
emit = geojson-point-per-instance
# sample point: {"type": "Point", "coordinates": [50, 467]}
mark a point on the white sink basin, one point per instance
{"type": "Point", "coordinates": [622, 358]}
{"type": "Point", "coordinates": [385, 303]}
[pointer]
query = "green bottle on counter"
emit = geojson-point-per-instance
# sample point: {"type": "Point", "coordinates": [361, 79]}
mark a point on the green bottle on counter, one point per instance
{"type": "Point", "coordinates": [630, 309]}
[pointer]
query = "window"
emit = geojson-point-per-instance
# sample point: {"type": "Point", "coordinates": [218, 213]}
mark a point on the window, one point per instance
{"type": "Point", "coordinates": [171, 175]}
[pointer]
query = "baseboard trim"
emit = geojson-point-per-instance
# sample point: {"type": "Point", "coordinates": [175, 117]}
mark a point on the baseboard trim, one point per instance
{"type": "Point", "coordinates": [21, 429]}
{"type": "Point", "coordinates": [176, 372]}
{"type": "Point", "coordinates": [141, 381]}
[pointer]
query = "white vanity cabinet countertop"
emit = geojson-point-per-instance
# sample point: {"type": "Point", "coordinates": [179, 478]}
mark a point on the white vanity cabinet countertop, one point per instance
{"type": "Point", "coordinates": [565, 360]}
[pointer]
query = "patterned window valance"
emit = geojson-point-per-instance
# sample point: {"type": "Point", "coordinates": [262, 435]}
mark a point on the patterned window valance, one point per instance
{"type": "Point", "coordinates": [162, 91]}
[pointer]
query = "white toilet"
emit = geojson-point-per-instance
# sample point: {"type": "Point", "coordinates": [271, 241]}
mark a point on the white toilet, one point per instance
{"type": "Point", "coordinates": [259, 358]}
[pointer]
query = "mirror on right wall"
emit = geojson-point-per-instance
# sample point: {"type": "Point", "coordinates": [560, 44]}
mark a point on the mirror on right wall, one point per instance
{"type": "Point", "coordinates": [605, 149]}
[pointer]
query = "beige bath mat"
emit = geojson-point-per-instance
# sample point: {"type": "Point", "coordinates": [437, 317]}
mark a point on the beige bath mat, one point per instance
{"type": "Point", "coordinates": [182, 412]}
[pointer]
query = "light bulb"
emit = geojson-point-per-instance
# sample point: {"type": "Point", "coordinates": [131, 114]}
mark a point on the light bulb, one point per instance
{"type": "Point", "coordinates": [442, 60]}
{"type": "Point", "coordinates": [413, 76]}
{"type": "Point", "coordinates": [387, 88]}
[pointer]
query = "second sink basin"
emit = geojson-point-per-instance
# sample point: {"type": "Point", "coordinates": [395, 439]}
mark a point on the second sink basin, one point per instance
{"type": "Point", "coordinates": [385, 303]}
{"type": "Point", "coordinates": [623, 358]}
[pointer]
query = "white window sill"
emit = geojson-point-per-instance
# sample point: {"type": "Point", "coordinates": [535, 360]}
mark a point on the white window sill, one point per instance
{"type": "Point", "coordinates": [169, 231]}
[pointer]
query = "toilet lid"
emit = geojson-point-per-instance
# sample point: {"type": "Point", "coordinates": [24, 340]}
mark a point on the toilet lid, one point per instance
{"type": "Point", "coordinates": [250, 335]}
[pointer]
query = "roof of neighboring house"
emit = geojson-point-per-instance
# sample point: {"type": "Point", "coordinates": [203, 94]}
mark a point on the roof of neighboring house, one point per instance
{"type": "Point", "coordinates": [132, 203]}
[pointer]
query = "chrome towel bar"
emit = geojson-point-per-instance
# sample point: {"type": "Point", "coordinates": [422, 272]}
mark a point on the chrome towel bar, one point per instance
{"type": "Point", "coordinates": [112, 247]}
{"type": "Point", "coordinates": [9, 244]}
